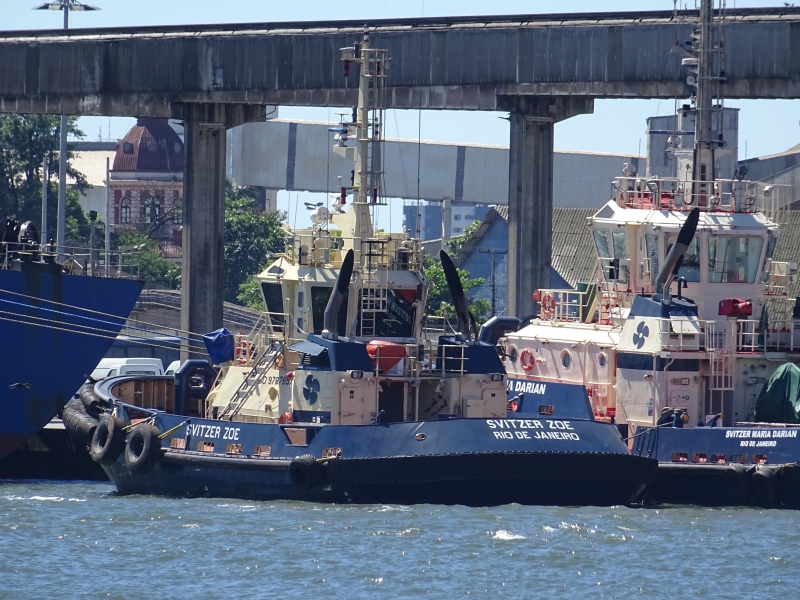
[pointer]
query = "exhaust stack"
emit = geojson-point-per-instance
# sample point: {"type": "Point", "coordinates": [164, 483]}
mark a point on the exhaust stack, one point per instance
{"type": "Point", "coordinates": [337, 295]}
{"type": "Point", "coordinates": [466, 324]}
{"type": "Point", "coordinates": [673, 261]}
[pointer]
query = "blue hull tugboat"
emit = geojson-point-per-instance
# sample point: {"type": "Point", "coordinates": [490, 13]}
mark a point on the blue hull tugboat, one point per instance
{"type": "Point", "coordinates": [687, 381]}
{"type": "Point", "coordinates": [340, 397]}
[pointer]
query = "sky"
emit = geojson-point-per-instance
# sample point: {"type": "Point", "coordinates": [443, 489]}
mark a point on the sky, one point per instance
{"type": "Point", "coordinates": [765, 126]}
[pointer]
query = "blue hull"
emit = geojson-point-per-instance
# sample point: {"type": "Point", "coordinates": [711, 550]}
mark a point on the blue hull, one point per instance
{"type": "Point", "coordinates": [47, 348]}
{"type": "Point", "coordinates": [455, 461]}
{"type": "Point", "coordinates": [723, 466]}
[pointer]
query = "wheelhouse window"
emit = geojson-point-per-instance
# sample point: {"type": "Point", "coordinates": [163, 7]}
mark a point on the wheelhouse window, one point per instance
{"type": "Point", "coordinates": [319, 300]}
{"type": "Point", "coordinates": [651, 247]}
{"type": "Point", "coordinates": [768, 259]}
{"type": "Point", "coordinates": [733, 259]}
{"type": "Point", "coordinates": [614, 264]}
{"type": "Point", "coordinates": [273, 299]}
{"type": "Point", "coordinates": [690, 268]}
{"type": "Point", "coordinates": [602, 243]}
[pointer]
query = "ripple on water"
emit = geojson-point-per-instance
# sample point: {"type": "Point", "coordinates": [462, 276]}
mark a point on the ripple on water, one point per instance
{"type": "Point", "coordinates": [95, 543]}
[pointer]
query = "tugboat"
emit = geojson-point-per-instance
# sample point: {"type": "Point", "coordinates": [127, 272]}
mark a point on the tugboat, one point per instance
{"type": "Point", "coordinates": [685, 380]}
{"type": "Point", "coordinates": [64, 310]}
{"type": "Point", "coordinates": [340, 397]}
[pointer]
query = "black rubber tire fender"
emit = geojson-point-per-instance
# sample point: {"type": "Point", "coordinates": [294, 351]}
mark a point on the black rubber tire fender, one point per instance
{"type": "Point", "coordinates": [108, 441]}
{"type": "Point", "coordinates": [738, 478]}
{"type": "Point", "coordinates": [77, 422]}
{"type": "Point", "coordinates": [306, 473]}
{"type": "Point", "coordinates": [143, 448]}
{"type": "Point", "coordinates": [768, 484]}
{"type": "Point", "coordinates": [91, 401]}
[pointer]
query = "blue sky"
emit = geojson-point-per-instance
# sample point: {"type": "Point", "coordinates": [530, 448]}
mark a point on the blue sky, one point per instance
{"type": "Point", "coordinates": [766, 126]}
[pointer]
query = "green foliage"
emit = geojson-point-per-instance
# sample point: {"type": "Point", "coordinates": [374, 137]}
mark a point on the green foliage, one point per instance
{"type": "Point", "coordinates": [25, 141]}
{"type": "Point", "coordinates": [250, 294]}
{"type": "Point", "coordinates": [440, 302]}
{"type": "Point", "coordinates": [251, 237]}
{"type": "Point", "coordinates": [457, 243]}
{"type": "Point", "coordinates": [152, 265]}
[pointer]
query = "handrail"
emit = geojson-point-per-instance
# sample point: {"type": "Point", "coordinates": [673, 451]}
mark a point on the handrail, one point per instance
{"type": "Point", "coordinates": [721, 195]}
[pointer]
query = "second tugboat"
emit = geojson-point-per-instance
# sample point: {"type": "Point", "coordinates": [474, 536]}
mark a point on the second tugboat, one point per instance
{"type": "Point", "coordinates": [300, 411]}
{"type": "Point", "coordinates": [705, 384]}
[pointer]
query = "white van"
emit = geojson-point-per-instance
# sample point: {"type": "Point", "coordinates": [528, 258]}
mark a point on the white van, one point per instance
{"type": "Point", "coordinates": [111, 367]}
{"type": "Point", "coordinates": [173, 367]}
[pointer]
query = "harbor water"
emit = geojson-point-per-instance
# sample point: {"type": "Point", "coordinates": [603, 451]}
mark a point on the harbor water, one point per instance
{"type": "Point", "coordinates": [82, 540]}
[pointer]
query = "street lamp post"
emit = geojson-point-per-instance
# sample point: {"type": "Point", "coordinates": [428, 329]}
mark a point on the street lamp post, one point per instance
{"type": "Point", "coordinates": [66, 6]}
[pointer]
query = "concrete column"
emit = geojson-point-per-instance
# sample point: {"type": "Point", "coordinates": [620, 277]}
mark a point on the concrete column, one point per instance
{"type": "Point", "coordinates": [447, 221]}
{"type": "Point", "coordinates": [530, 193]}
{"type": "Point", "coordinates": [202, 275]}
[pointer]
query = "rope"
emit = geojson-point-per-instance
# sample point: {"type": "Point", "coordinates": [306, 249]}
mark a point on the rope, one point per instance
{"type": "Point", "coordinates": [90, 311]}
{"type": "Point", "coordinates": [173, 430]}
{"type": "Point", "coordinates": [29, 320]}
{"type": "Point", "coordinates": [110, 335]}
{"type": "Point", "coordinates": [59, 312]}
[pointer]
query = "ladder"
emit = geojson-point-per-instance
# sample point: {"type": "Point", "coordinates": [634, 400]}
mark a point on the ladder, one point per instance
{"type": "Point", "coordinates": [721, 349]}
{"type": "Point", "coordinates": [252, 380]}
{"type": "Point", "coordinates": [374, 291]}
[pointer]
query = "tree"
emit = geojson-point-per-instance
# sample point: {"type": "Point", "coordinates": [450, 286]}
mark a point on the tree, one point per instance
{"type": "Point", "coordinates": [251, 237]}
{"type": "Point", "coordinates": [25, 142]}
{"type": "Point", "coordinates": [152, 266]}
{"type": "Point", "coordinates": [457, 243]}
{"type": "Point", "coordinates": [440, 302]}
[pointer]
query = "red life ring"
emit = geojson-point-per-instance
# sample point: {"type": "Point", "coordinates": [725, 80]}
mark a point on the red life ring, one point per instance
{"type": "Point", "coordinates": [242, 354]}
{"type": "Point", "coordinates": [526, 359]}
{"type": "Point", "coordinates": [548, 305]}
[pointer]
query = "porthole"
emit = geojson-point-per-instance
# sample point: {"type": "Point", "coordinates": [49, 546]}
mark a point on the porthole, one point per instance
{"type": "Point", "coordinates": [512, 354]}
{"type": "Point", "coordinates": [566, 359]}
{"type": "Point", "coordinates": [602, 360]}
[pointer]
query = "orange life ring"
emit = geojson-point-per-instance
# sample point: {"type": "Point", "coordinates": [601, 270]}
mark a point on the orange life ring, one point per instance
{"type": "Point", "coordinates": [548, 305]}
{"type": "Point", "coordinates": [526, 359]}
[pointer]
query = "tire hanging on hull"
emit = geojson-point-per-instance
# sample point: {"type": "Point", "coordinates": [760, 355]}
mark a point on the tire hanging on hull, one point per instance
{"type": "Point", "coordinates": [306, 473]}
{"type": "Point", "coordinates": [143, 448]}
{"type": "Point", "coordinates": [78, 423]}
{"type": "Point", "coordinates": [108, 441]}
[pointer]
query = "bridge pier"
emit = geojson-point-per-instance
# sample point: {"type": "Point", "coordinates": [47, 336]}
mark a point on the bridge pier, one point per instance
{"type": "Point", "coordinates": [202, 272]}
{"type": "Point", "coordinates": [530, 192]}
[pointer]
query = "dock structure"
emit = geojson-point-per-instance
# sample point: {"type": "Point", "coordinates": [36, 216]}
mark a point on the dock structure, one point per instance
{"type": "Point", "coordinates": [539, 68]}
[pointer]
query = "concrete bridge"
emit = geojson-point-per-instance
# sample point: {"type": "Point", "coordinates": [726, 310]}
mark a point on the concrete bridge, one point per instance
{"type": "Point", "coordinates": [539, 68]}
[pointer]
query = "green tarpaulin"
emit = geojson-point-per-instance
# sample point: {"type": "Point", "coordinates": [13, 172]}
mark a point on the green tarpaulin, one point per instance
{"type": "Point", "coordinates": [779, 400]}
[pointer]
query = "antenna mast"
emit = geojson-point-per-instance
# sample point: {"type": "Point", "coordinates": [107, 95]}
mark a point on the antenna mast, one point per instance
{"type": "Point", "coordinates": [368, 119]}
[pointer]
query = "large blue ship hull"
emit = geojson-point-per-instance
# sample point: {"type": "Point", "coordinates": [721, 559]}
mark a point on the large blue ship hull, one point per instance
{"type": "Point", "coordinates": [715, 466]}
{"type": "Point", "coordinates": [452, 461]}
{"type": "Point", "coordinates": [56, 328]}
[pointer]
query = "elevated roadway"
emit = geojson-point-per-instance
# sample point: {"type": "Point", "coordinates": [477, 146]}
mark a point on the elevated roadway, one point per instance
{"type": "Point", "coordinates": [539, 68]}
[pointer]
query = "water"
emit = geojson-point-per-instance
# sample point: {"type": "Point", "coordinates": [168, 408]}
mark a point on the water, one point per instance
{"type": "Point", "coordinates": [80, 540]}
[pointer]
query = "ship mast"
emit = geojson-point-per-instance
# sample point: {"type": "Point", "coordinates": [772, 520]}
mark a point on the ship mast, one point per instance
{"type": "Point", "coordinates": [367, 121]}
{"type": "Point", "coordinates": [707, 75]}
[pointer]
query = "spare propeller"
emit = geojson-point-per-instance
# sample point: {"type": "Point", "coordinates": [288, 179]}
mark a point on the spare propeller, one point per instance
{"type": "Point", "coordinates": [337, 295]}
{"type": "Point", "coordinates": [466, 323]}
